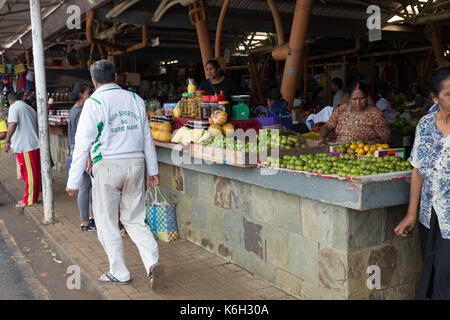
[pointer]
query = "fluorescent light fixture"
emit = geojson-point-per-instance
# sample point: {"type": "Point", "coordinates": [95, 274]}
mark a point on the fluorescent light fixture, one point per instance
{"type": "Point", "coordinates": [395, 19]}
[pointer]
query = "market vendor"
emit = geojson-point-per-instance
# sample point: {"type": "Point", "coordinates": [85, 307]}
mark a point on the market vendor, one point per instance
{"type": "Point", "coordinates": [216, 81]}
{"type": "Point", "coordinates": [358, 119]}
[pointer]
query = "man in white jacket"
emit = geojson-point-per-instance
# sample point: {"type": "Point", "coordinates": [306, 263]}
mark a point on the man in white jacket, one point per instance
{"type": "Point", "coordinates": [113, 127]}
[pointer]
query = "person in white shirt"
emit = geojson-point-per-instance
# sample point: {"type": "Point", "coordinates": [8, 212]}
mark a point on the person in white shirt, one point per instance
{"type": "Point", "coordinates": [23, 138]}
{"type": "Point", "coordinates": [113, 126]}
{"type": "Point", "coordinates": [384, 105]}
{"type": "Point", "coordinates": [338, 93]}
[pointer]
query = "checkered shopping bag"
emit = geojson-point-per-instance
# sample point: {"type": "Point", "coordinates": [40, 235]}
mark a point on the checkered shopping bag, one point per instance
{"type": "Point", "coordinates": [161, 217]}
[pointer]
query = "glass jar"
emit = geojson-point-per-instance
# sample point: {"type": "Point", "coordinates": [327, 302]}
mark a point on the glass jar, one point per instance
{"type": "Point", "coordinates": [184, 105]}
{"type": "Point", "coordinates": [213, 103]}
{"type": "Point", "coordinates": [205, 108]}
{"type": "Point", "coordinates": [191, 105]}
{"type": "Point", "coordinates": [223, 105]}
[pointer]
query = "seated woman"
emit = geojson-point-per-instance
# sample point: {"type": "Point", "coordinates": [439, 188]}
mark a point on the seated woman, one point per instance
{"type": "Point", "coordinates": [278, 105]}
{"type": "Point", "coordinates": [359, 119]}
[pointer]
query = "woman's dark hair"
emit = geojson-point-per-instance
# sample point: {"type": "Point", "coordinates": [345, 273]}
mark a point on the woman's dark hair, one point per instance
{"type": "Point", "coordinates": [214, 62]}
{"type": "Point", "coordinates": [78, 89]}
{"type": "Point", "coordinates": [338, 83]}
{"type": "Point", "coordinates": [436, 80]}
{"type": "Point", "coordinates": [358, 86]}
{"type": "Point", "coordinates": [274, 94]}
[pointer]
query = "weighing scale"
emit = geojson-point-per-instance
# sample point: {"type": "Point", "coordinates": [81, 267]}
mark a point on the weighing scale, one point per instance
{"type": "Point", "coordinates": [240, 111]}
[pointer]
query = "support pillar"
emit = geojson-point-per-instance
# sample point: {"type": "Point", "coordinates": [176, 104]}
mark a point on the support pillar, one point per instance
{"type": "Point", "coordinates": [198, 17]}
{"type": "Point", "coordinates": [42, 111]}
{"type": "Point", "coordinates": [296, 50]}
{"type": "Point", "coordinates": [433, 33]}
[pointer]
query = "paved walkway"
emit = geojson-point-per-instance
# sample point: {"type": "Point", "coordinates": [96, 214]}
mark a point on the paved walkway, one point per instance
{"type": "Point", "coordinates": [192, 272]}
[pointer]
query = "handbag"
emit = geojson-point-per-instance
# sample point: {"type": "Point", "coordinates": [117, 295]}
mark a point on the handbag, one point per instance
{"type": "Point", "coordinates": [269, 121]}
{"type": "Point", "coordinates": [19, 68]}
{"type": "Point", "coordinates": [161, 217]}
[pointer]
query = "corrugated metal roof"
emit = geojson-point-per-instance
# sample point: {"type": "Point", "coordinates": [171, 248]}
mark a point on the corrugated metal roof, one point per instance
{"type": "Point", "coordinates": [15, 18]}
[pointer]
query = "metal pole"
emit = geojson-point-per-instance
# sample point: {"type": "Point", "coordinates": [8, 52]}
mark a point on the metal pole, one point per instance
{"type": "Point", "coordinates": [42, 107]}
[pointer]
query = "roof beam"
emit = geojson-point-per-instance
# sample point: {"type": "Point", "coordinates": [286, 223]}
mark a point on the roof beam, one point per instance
{"type": "Point", "coordinates": [56, 21]}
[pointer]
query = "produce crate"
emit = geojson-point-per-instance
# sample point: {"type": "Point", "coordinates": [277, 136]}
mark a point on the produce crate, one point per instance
{"type": "Point", "coordinates": [369, 178]}
{"type": "Point", "coordinates": [308, 150]}
{"type": "Point", "coordinates": [207, 153]}
{"type": "Point", "coordinates": [398, 152]}
{"type": "Point", "coordinates": [170, 145]}
{"type": "Point", "coordinates": [225, 156]}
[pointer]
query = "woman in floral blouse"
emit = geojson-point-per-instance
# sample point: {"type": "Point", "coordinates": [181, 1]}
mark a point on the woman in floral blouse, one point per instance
{"type": "Point", "coordinates": [430, 186]}
{"type": "Point", "coordinates": [359, 119]}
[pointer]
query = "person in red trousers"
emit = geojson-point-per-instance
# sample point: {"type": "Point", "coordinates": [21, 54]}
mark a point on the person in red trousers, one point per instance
{"type": "Point", "coordinates": [22, 138]}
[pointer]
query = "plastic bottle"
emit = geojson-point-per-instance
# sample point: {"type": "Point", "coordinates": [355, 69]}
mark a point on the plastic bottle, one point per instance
{"type": "Point", "coordinates": [191, 86]}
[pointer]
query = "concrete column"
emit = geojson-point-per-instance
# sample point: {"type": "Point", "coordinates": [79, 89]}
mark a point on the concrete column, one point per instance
{"type": "Point", "coordinates": [433, 33]}
{"type": "Point", "coordinates": [198, 17]}
{"type": "Point", "coordinates": [42, 108]}
{"type": "Point", "coordinates": [296, 49]}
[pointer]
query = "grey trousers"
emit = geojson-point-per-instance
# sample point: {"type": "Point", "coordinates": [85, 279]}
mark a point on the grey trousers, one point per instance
{"type": "Point", "coordinates": [122, 181]}
{"type": "Point", "coordinates": [85, 197]}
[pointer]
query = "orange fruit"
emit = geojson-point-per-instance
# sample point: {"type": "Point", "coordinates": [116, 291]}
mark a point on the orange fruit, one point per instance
{"type": "Point", "coordinates": [366, 148]}
{"type": "Point", "coordinates": [353, 146]}
{"type": "Point", "coordinates": [380, 148]}
{"type": "Point", "coordinates": [361, 145]}
{"type": "Point", "coordinates": [369, 154]}
{"type": "Point", "coordinates": [373, 148]}
{"type": "Point", "coordinates": [385, 146]}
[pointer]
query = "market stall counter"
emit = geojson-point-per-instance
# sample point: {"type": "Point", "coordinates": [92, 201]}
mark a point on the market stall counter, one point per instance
{"type": "Point", "coordinates": [312, 236]}
{"type": "Point", "coordinates": [58, 135]}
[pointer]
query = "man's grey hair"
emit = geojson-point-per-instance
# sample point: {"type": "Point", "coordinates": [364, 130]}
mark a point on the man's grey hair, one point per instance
{"type": "Point", "coordinates": [13, 96]}
{"type": "Point", "coordinates": [102, 72]}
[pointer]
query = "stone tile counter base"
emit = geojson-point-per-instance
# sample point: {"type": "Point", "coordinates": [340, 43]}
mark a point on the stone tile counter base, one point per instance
{"type": "Point", "coordinates": [308, 248]}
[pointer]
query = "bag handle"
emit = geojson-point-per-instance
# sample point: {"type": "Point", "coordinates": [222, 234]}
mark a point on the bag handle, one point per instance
{"type": "Point", "coordinates": [258, 108]}
{"type": "Point", "coordinates": [273, 113]}
{"type": "Point", "coordinates": [149, 196]}
{"type": "Point", "coordinates": [156, 196]}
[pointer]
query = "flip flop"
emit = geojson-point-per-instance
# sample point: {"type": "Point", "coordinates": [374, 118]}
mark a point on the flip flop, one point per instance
{"type": "Point", "coordinates": [112, 279]}
{"type": "Point", "coordinates": [156, 275]}
{"type": "Point", "coordinates": [123, 233]}
{"type": "Point", "coordinates": [20, 205]}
